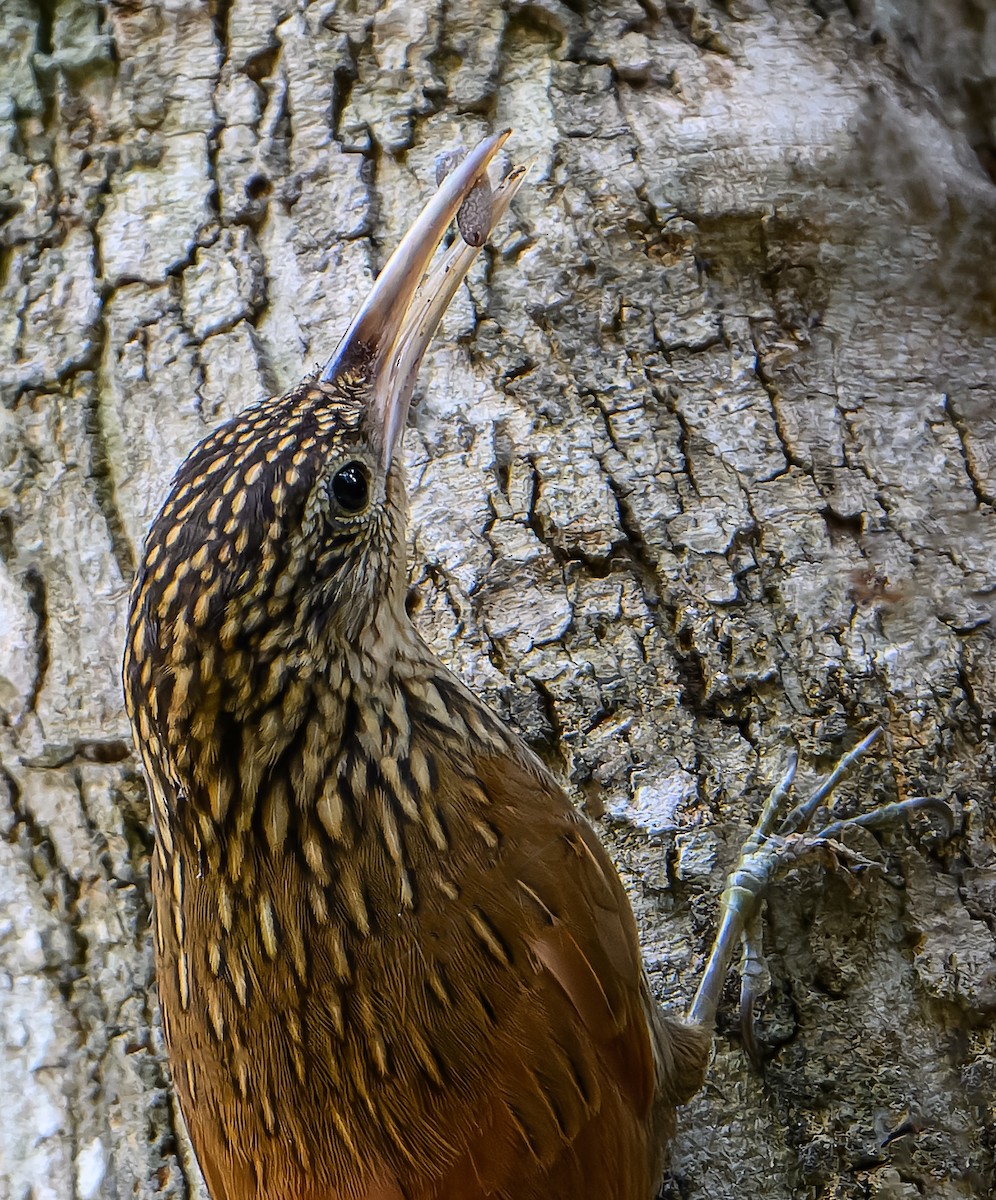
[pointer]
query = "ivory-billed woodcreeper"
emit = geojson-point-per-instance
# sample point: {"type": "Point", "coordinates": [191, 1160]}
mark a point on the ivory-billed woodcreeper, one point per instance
{"type": "Point", "coordinates": [394, 962]}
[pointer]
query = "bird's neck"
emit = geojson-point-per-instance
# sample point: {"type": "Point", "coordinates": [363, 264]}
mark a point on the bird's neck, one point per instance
{"type": "Point", "coordinates": [319, 761]}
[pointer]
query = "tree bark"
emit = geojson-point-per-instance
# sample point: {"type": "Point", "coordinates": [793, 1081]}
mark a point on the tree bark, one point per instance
{"type": "Point", "coordinates": [704, 465]}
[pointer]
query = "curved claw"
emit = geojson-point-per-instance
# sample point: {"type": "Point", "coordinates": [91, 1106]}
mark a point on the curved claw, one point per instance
{"type": "Point", "coordinates": [753, 985]}
{"type": "Point", "coordinates": [748, 997]}
{"type": "Point", "coordinates": [891, 814]}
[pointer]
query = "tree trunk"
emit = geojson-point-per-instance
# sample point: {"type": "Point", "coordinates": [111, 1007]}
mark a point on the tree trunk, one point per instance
{"type": "Point", "coordinates": [704, 466]}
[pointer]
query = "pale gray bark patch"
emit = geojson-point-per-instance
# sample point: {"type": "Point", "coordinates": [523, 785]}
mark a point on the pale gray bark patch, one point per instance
{"type": "Point", "coordinates": [702, 464]}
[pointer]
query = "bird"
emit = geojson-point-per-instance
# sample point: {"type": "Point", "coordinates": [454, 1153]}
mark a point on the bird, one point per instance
{"type": "Point", "coordinates": [394, 961]}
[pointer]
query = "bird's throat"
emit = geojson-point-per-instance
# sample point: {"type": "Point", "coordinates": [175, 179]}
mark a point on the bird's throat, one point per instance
{"type": "Point", "coordinates": [330, 759]}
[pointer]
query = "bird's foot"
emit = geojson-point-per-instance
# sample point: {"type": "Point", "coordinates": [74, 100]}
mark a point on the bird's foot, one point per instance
{"type": "Point", "coordinates": [777, 843]}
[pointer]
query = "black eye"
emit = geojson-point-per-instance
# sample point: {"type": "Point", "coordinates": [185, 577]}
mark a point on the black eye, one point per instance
{"type": "Point", "coordinates": [351, 487]}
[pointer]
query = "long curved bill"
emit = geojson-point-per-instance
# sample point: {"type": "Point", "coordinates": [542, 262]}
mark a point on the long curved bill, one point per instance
{"type": "Point", "coordinates": [388, 337]}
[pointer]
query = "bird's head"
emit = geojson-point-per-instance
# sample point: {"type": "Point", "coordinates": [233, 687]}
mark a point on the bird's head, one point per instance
{"type": "Point", "coordinates": [282, 539]}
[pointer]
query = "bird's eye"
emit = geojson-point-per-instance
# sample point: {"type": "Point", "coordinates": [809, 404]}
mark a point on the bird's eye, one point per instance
{"type": "Point", "coordinates": [351, 487]}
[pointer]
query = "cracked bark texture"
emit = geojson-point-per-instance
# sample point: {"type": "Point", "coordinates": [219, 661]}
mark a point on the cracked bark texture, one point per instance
{"type": "Point", "coordinates": [703, 465]}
